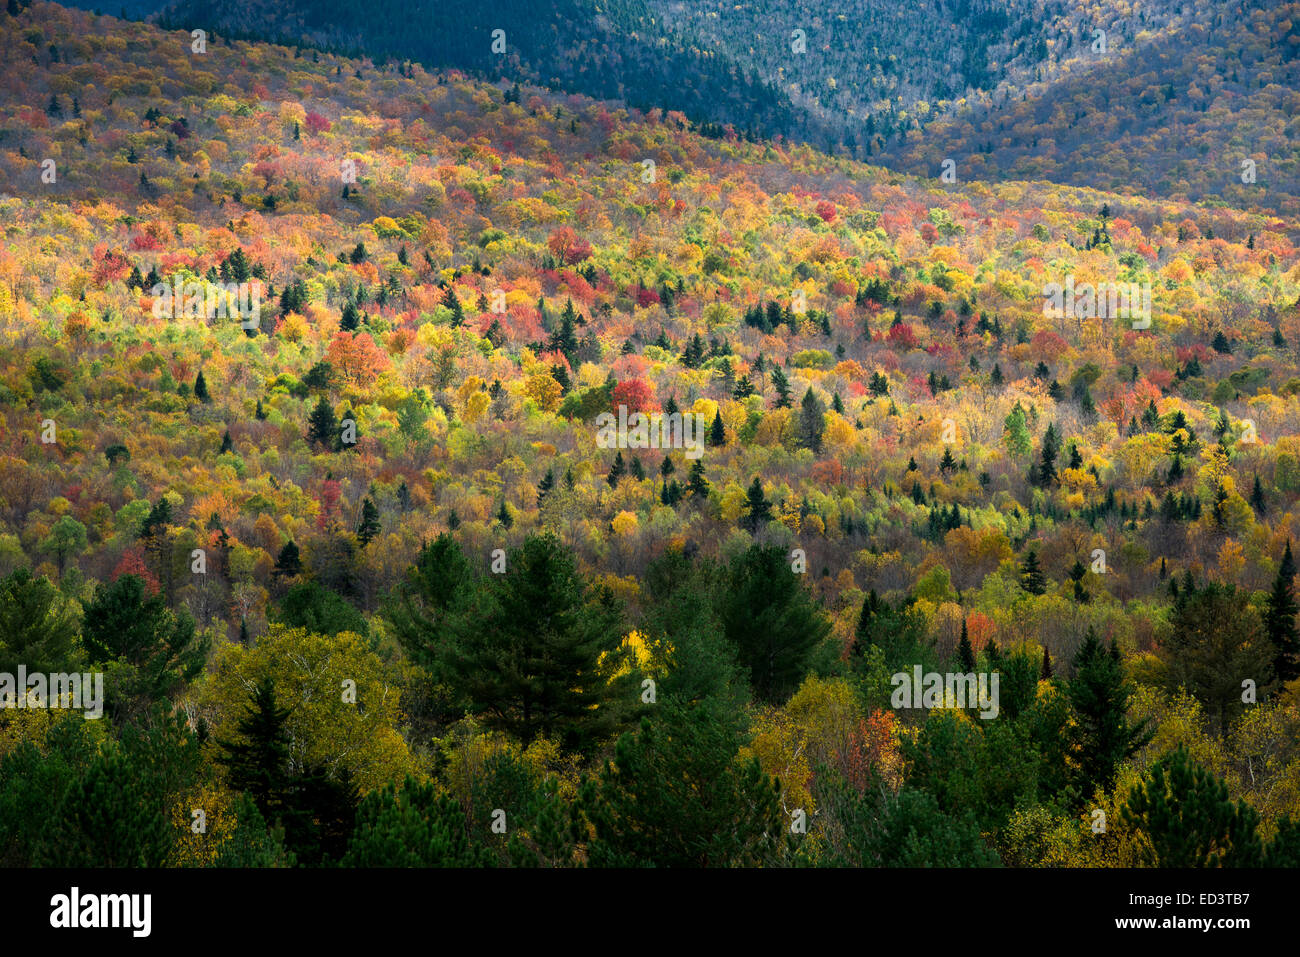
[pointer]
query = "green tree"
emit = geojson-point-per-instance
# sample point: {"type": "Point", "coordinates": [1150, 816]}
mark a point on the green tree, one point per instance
{"type": "Point", "coordinates": [1280, 620]}
{"type": "Point", "coordinates": [151, 651]}
{"type": "Point", "coordinates": [758, 510]}
{"type": "Point", "coordinates": [1032, 578]}
{"type": "Point", "coordinates": [1102, 735]}
{"type": "Point", "coordinates": [322, 426]}
{"type": "Point", "coordinates": [201, 388]}
{"type": "Point", "coordinates": [524, 649]}
{"type": "Point", "coordinates": [1217, 642]}
{"type": "Point", "coordinates": [675, 796]}
{"type": "Point", "coordinates": [770, 619]}
{"type": "Point", "coordinates": [412, 827]}
{"type": "Point", "coordinates": [812, 422]}
{"type": "Point", "coordinates": [37, 629]}
{"type": "Point", "coordinates": [1188, 818]}
{"type": "Point", "coordinates": [67, 537]}
{"type": "Point", "coordinates": [369, 525]}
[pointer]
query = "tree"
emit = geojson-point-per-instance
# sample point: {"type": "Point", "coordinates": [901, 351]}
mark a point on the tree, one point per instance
{"type": "Point", "coordinates": [1217, 642]}
{"type": "Point", "coordinates": [1015, 432]}
{"type": "Point", "coordinates": [524, 650]}
{"type": "Point", "coordinates": [151, 651]}
{"type": "Point", "coordinates": [617, 471]}
{"type": "Point", "coordinates": [1032, 578]}
{"type": "Point", "coordinates": [675, 796]}
{"type": "Point", "coordinates": [310, 606]}
{"type": "Point", "coordinates": [1102, 736]}
{"type": "Point", "coordinates": [697, 484]}
{"type": "Point", "coordinates": [770, 619]}
{"type": "Point", "coordinates": [37, 629]}
{"type": "Point", "coordinates": [351, 319]}
{"type": "Point", "coordinates": [322, 426]}
{"type": "Point", "coordinates": [1280, 620]}
{"type": "Point", "coordinates": [812, 422]}
{"type": "Point", "coordinates": [717, 433]}
{"type": "Point", "coordinates": [430, 591]}
{"type": "Point", "coordinates": [201, 388]}
{"type": "Point", "coordinates": [369, 526]}
{"type": "Point", "coordinates": [758, 509]}
{"type": "Point", "coordinates": [782, 385]}
{"type": "Point", "coordinates": [412, 827]}
{"type": "Point", "coordinates": [1188, 818]}
{"type": "Point", "coordinates": [965, 651]}
{"type": "Point", "coordinates": [67, 537]}
{"type": "Point", "coordinates": [288, 563]}
{"type": "Point", "coordinates": [315, 810]}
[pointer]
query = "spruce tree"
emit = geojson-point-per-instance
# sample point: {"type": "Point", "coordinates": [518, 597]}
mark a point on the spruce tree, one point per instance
{"type": "Point", "coordinates": [717, 432]}
{"type": "Point", "coordinates": [369, 525]}
{"type": "Point", "coordinates": [1032, 578]}
{"type": "Point", "coordinates": [758, 510]}
{"type": "Point", "coordinates": [1280, 620]}
{"type": "Point", "coordinates": [322, 426]}
{"type": "Point", "coordinates": [1102, 734]}
{"type": "Point", "coordinates": [201, 388]}
{"type": "Point", "coordinates": [288, 563]}
{"type": "Point", "coordinates": [965, 652]}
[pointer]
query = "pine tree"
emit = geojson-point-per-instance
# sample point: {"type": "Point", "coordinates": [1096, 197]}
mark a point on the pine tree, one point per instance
{"type": "Point", "coordinates": [782, 386]}
{"type": "Point", "coordinates": [965, 652]}
{"type": "Point", "coordinates": [288, 563]}
{"type": "Point", "coordinates": [322, 426]}
{"type": "Point", "coordinates": [504, 516]}
{"type": "Point", "coordinates": [351, 320]}
{"type": "Point", "coordinates": [545, 486]}
{"type": "Point", "coordinates": [259, 414]}
{"type": "Point", "coordinates": [617, 471]}
{"type": "Point", "coordinates": [757, 508]}
{"type": "Point", "coordinates": [1099, 695]}
{"type": "Point", "coordinates": [1280, 620]}
{"type": "Point", "coordinates": [257, 759]}
{"type": "Point", "coordinates": [812, 422]}
{"type": "Point", "coordinates": [369, 525]}
{"type": "Point", "coordinates": [717, 432]}
{"type": "Point", "coordinates": [1032, 578]}
{"type": "Point", "coordinates": [1189, 818]}
{"type": "Point", "coordinates": [1257, 498]}
{"type": "Point", "coordinates": [201, 388]}
{"type": "Point", "coordinates": [697, 484]}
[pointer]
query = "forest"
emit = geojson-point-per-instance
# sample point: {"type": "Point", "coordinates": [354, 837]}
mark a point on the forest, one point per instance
{"type": "Point", "coordinates": [366, 588]}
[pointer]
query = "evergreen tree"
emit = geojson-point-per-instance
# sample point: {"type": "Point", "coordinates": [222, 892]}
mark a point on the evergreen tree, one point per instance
{"type": "Point", "coordinates": [201, 388]}
{"type": "Point", "coordinates": [1032, 578]}
{"type": "Point", "coordinates": [1189, 819]}
{"type": "Point", "coordinates": [545, 486]}
{"type": "Point", "coordinates": [288, 563]}
{"type": "Point", "coordinates": [1280, 620]}
{"type": "Point", "coordinates": [369, 525]}
{"type": "Point", "coordinates": [782, 386]}
{"type": "Point", "coordinates": [965, 651]}
{"type": "Point", "coordinates": [322, 426]}
{"type": "Point", "coordinates": [522, 650]}
{"type": "Point", "coordinates": [675, 796]}
{"type": "Point", "coordinates": [617, 470]}
{"type": "Point", "coordinates": [812, 422]}
{"type": "Point", "coordinates": [771, 620]}
{"type": "Point", "coordinates": [1102, 733]}
{"type": "Point", "coordinates": [757, 508]}
{"type": "Point", "coordinates": [717, 432]}
{"type": "Point", "coordinates": [697, 484]}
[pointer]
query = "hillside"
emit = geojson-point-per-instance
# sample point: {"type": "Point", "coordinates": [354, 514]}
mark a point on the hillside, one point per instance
{"type": "Point", "coordinates": [909, 459]}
